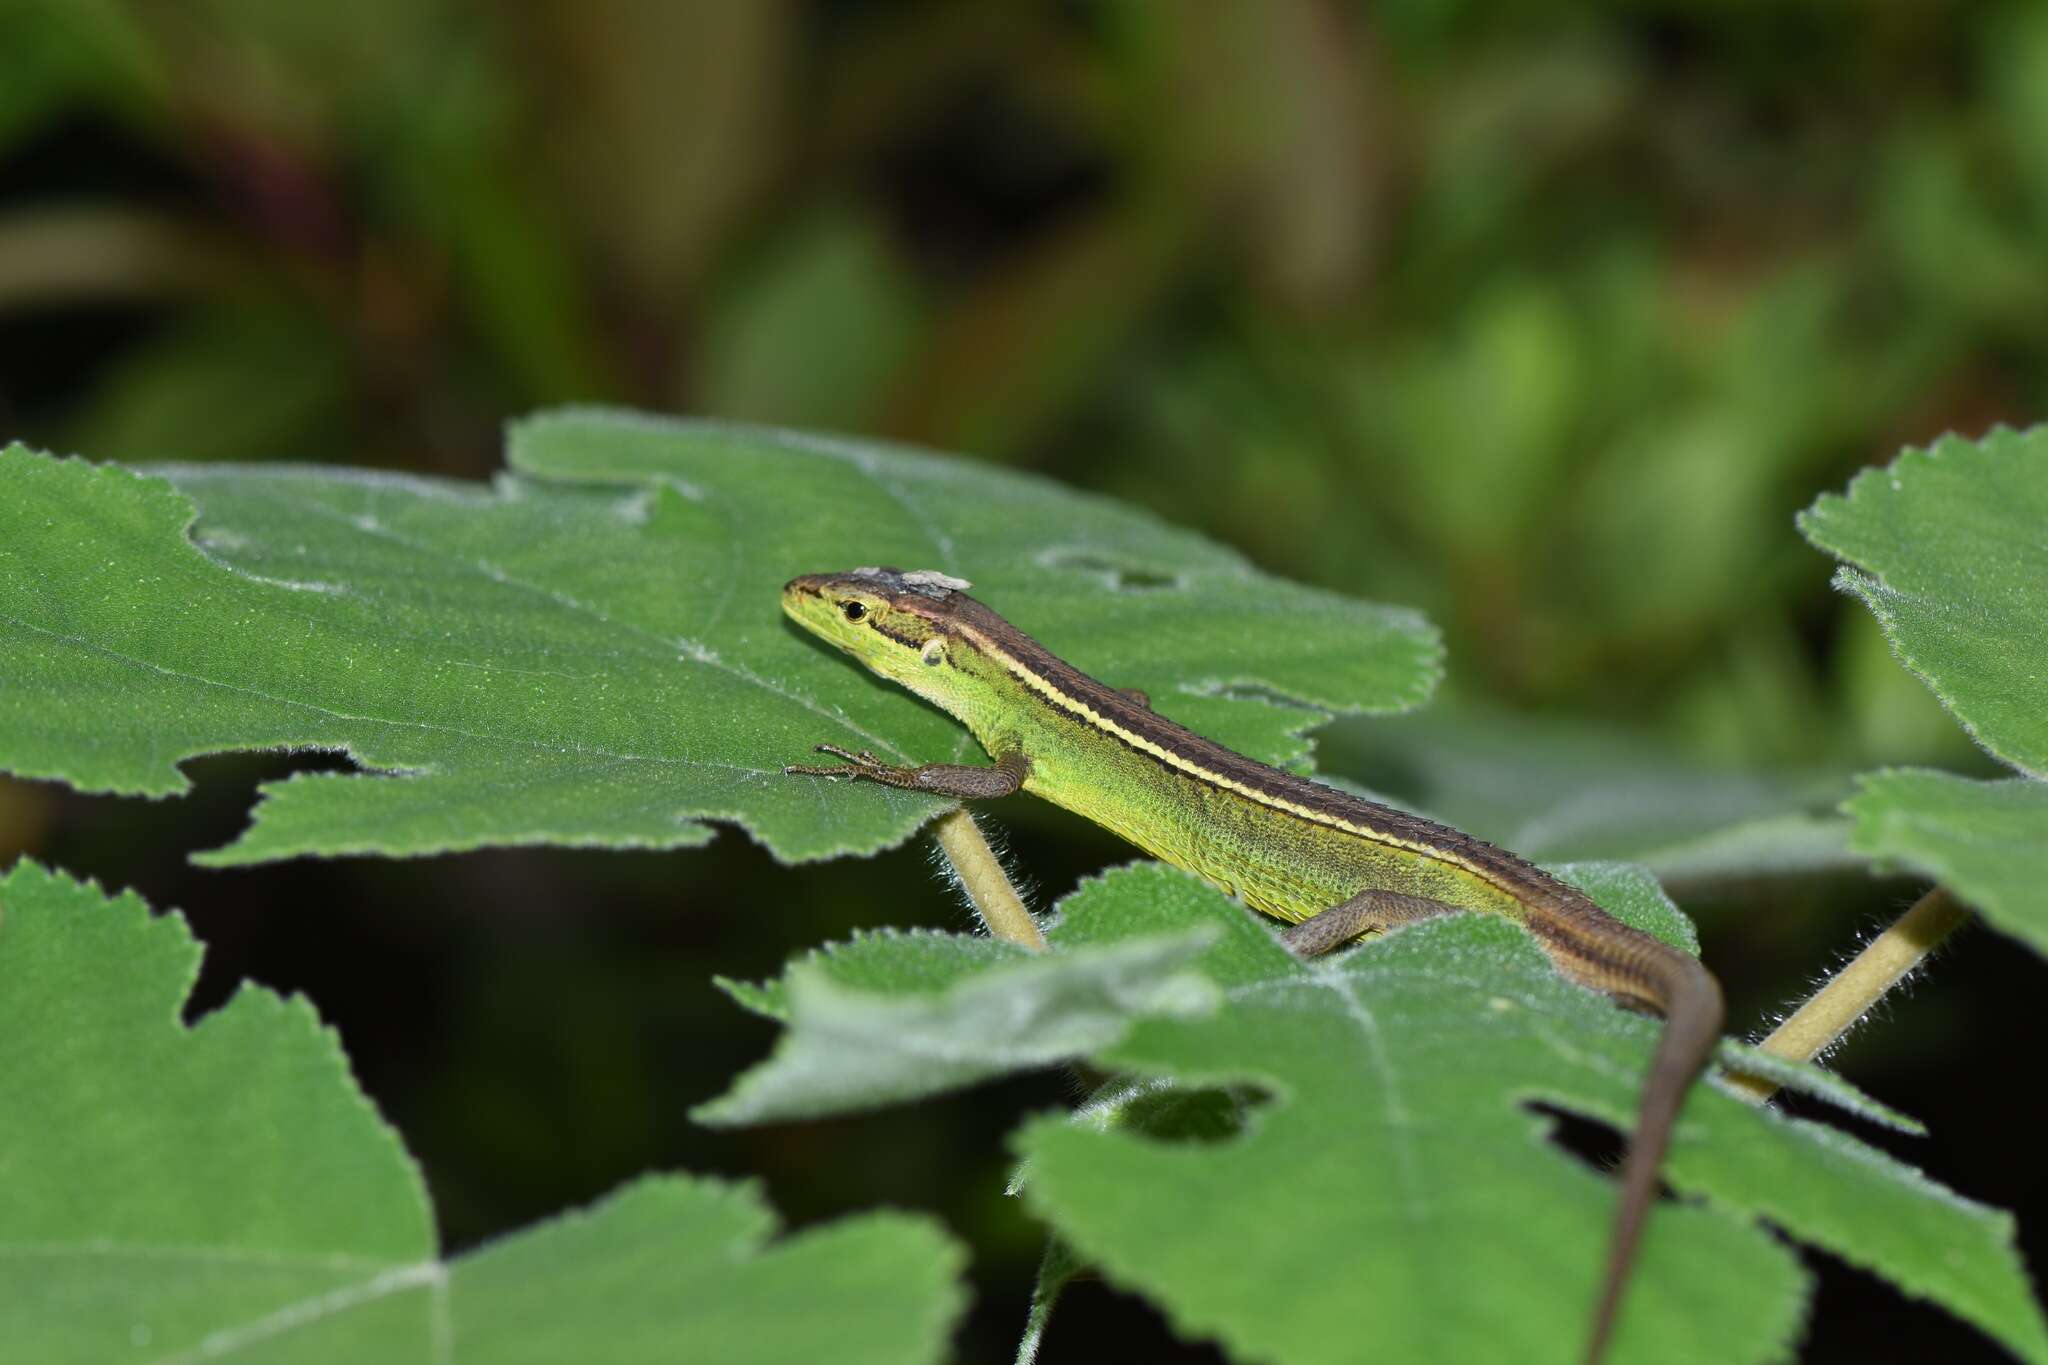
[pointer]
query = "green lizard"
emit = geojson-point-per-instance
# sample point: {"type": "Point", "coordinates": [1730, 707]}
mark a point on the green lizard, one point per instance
{"type": "Point", "coordinates": [1334, 865]}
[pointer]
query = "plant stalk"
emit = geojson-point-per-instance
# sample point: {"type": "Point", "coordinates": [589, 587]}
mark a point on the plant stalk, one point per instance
{"type": "Point", "coordinates": [1833, 1010]}
{"type": "Point", "coordinates": [982, 877]}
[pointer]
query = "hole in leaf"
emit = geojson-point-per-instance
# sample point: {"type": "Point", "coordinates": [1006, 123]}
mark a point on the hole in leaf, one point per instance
{"type": "Point", "coordinates": [1172, 1113]}
{"type": "Point", "coordinates": [1120, 577]}
{"type": "Point", "coordinates": [1258, 692]}
{"type": "Point", "coordinates": [1595, 1143]}
{"type": "Point", "coordinates": [249, 770]}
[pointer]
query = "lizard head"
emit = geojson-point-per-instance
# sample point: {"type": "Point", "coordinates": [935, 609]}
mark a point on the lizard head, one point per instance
{"type": "Point", "coordinates": [897, 623]}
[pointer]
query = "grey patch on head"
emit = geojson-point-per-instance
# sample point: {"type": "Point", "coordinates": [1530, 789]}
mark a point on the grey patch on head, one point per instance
{"type": "Point", "coordinates": [933, 583]}
{"type": "Point", "coordinates": [925, 582]}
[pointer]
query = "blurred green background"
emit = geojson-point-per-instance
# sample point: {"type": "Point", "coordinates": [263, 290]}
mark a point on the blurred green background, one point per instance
{"type": "Point", "coordinates": [1544, 319]}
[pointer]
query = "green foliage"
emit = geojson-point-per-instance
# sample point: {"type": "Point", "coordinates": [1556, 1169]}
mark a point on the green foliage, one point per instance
{"type": "Point", "coordinates": [1303, 276]}
{"type": "Point", "coordinates": [674, 1265]}
{"type": "Point", "coordinates": [811, 331]}
{"type": "Point", "coordinates": [591, 652]}
{"type": "Point", "coordinates": [224, 1189]}
{"type": "Point", "coordinates": [1543, 322]}
{"type": "Point", "coordinates": [1497, 775]}
{"type": "Point", "coordinates": [1381, 296]}
{"type": "Point", "coordinates": [181, 1180]}
{"type": "Point", "coordinates": [1388, 1135]}
{"type": "Point", "coordinates": [873, 1022]}
{"type": "Point", "coordinates": [1947, 553]}
{"type": "Point", "coordinates": [249, 378]}
{"type": "Point", "coordinates": [1986, 841]}
{"type": "Point", "coordinates": [1945, 548]}
{"type": "Point", "coordinates": [588, 651]}
{"type": "Point", "coordinates": [1413, 1046]}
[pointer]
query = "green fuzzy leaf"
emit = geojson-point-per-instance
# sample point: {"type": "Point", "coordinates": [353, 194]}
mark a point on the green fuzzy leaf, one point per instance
{"type": "Point", "coordinates": [1945, 548]}
{"type": "Point", "coordinates": [224, 1191]}
{"type": "Point", "coordinates": [673, 1268]}
{"type": "Point", "coordinates": [1986, 841]}
{"type": "Point", "coordinates": [1325, 1166]}
{"type": "Point", "coordinates": [891, 1017]}
{"type": "Point", "coordinates": [590, 651]}
{"type": "Point", "coordinates": [884, 961]}
{"type": "Point", "coordinates": [180, 1180]}
{"type": "Point", "coordinates": [1810, 1079]}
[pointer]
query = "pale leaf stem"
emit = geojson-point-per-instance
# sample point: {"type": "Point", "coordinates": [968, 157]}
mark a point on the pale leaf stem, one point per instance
{"type": "Point", "coordinates": [1833, 1010]}
{"type": "Point", "coordinates": [982, 877]}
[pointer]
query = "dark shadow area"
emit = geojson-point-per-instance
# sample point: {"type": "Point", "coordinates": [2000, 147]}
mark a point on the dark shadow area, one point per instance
{"type": "Point", "coordinates": [1096, 1322]}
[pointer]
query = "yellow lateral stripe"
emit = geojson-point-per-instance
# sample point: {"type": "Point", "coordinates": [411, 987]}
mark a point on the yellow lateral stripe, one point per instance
{"type": "Point", "coordinates": [1045, 688]}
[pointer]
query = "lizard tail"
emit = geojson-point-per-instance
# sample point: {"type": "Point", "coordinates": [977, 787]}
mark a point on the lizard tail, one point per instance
{"type": "Point", "coordinates": [1690, 1000]}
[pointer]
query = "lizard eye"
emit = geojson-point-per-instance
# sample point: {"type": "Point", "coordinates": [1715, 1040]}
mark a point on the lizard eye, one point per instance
{"type": "Point", "coordinates": [854, 610]}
